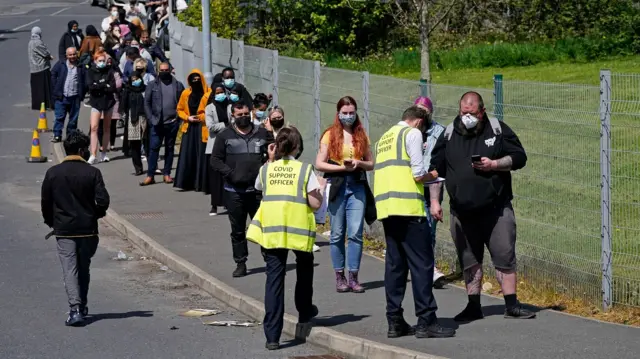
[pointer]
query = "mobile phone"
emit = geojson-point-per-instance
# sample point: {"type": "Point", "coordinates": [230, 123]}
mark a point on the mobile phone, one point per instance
{"type": "Point", "coordinates": [476, 158]}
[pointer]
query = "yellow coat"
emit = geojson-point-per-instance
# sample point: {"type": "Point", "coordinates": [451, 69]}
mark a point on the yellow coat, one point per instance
{"type": "Point", "coordinates": [183, 106]}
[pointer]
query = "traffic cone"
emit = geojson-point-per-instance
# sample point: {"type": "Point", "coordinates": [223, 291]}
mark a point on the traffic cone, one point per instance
{"type": "Point", "coordinates": [36, 155]}
{"type": "Point", "coordinates": [42, 120]}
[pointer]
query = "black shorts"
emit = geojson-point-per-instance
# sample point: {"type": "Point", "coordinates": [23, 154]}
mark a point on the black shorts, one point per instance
{"type": "Point", "coordinates": [496, 229]}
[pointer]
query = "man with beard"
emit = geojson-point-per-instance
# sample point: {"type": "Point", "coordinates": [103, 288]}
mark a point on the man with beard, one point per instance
{"type": "Point", "coordinates": [238, 153]}
{"type": "Point", "coordinates": [476, 155]}
{"type": "Point", "coordinates": [160, 102]}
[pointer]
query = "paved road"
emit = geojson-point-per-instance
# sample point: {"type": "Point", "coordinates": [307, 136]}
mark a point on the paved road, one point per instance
{"type": "Point", "coordinates": [134, 303]}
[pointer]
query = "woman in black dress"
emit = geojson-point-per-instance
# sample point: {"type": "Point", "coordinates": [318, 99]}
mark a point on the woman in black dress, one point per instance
{"type": "Point", "coordinates": [192, 171]}
{"type": "Point", "coordinates": [40, 66]}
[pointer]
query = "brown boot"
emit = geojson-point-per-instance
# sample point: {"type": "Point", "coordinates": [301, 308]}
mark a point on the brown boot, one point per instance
{"type": "Point", "coordinates": [167, 179]}
{"type": "Point", "coordinates": [148, 181]}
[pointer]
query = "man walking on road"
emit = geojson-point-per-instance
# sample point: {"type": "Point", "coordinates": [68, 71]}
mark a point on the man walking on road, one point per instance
{"type": "Point", "coordinates": [74, 197]}
{"type": "Point", "coordinates": [476, 154]}
{"type": "Point", "coordinates": [160, 103]}
{"type": "Point", "coordinates": [399, 174]}
{"type": "Point", "coordinates": [67, 80]}
{"type": "Point", "coordinates": [238, 153]}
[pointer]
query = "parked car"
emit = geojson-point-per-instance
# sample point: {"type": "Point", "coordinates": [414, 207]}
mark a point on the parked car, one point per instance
{"type": "Point", "coordinates": [108, 3]}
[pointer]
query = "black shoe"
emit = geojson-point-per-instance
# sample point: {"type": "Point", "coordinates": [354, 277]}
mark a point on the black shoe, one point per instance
{"type": "Point", "coordinates": [307, 317]}
{"type": "Point", "coordinates": [84, 310]}
{"type": "Point", "coordinates": [241, 270]}
{"type": "Point", "coordinates": [434, 330]}
{"type": "Point", "coordinates": [213, 211]}
{"type": "Point", "coordinates": [518, 312]}
{"type": "Point", "coordinates": [469, 314]}
{"type": "Point", "coordinates": [272, 346]}
{"type": "Point", "coordinates": [399, 328]}
{"type": "Point", "coordinates": [75, 319]}
{"type": "Point", "coordinates": [138, 173]}
{"type": "Point", "coordinates": [56, 139]}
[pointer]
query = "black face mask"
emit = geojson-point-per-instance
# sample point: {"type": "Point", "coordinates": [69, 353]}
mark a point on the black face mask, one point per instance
{"type": "Point", "coordinates": [277, 124]}
{"type": "Point", "coordinates": [197, 86]}
{"type": "Point", "coordinates": [164, 76]}
{"type": "Point", "coordinates": [243, 121]}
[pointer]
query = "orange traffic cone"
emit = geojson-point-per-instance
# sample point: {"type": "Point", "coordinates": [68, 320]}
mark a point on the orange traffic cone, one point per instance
{"type": "Point", "coordinates": [42, 120]}
{"type": "Point", "coordinates": [36, 155]}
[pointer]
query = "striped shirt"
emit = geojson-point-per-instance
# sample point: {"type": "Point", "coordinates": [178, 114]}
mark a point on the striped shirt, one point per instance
{"type": "Point", "coordinates": [71, 82]}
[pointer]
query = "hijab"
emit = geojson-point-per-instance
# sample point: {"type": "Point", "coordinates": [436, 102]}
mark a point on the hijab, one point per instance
{"type": "Point", "coordinates": [220, 107]}
{"type": "Point", "coordinates": [39, 56]}
{"type": "Point", "coordinates": [74, 35]}
{"type": "Point", "coordinates": [36, 33]}
{"type": "Point", "coordinates": [135, 97]}
{"type": "Point", "coordinates": [197, 91]}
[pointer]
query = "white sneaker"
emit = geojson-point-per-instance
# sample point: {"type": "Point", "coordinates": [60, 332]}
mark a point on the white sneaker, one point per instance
{"type": "Point", "coordinates": [143, 158]}
{"type": "Point", "coordinates": [91, 160]}
{"type": "Point", "coordinates": [316, 248]}
{"type": "Point", "coordinates": [103, 157]}
{"type": "Point", "coordinates": [439, 279]}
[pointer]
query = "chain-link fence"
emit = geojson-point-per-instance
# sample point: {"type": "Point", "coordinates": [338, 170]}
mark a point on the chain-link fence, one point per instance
{"type": "Point", "coordinates": [578, 199]}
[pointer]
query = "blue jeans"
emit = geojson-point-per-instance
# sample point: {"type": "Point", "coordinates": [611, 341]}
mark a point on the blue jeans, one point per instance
{"type": "Point", "coordinates": [346, 213]}
{"type": "Point", "coordinates": [67, 105]}
{"type": "Point", "coordinates": [168, 133]}
{"type": "Point", "coordinates": [432, 225]}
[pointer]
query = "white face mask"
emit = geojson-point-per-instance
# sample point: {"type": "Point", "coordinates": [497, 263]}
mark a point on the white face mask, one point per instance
{"type": "Point", "coordinates": [469, 121]}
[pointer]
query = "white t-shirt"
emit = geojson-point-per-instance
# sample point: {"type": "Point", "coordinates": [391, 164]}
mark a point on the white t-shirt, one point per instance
{"type": "Point", "coordinates": [312, 184]}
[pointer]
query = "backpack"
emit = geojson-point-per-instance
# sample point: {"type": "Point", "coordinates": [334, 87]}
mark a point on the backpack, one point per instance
{"type": "Point", "coordinates": [85, 60]}
{"type": "Point", "coordinates": [495, 125]}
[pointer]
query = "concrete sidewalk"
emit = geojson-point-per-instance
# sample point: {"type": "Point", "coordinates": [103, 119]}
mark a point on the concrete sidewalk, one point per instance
{"type": "Point", "coordinates": [180, 222]}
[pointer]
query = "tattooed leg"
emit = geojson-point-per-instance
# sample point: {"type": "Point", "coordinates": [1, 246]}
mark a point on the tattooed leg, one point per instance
{"type": "Point", "coordinates": [473, 279]}
{"type": "Point", "coordinates": [507, 279]}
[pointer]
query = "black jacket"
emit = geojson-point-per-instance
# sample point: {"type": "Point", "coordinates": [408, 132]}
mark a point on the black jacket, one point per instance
{"type": "Point", "coordinates": [153, 99]}
{"type": "Point", "coordinates": [101, 84]}
{"type": "Point", "coordinates": [73, 198]}
{"type": "Point", "coordinates": [470, 190]}
{"type": "Point", "coordinates": [239, 157]}
{"type": "Point", "coordinates": [66, 41]}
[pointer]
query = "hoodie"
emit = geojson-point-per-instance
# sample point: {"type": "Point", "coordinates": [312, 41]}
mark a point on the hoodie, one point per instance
{"type": "Point", "coordinates": [183, 105]}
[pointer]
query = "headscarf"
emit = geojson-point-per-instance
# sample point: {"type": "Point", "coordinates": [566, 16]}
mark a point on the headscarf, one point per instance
{"type": "Point", "coordinates": [36, 33]}
{"type": "Point", "coordinates": [91, 31]}
{"type": "Point", "coordinates": [221, 107]}
{"type": "Point", "coordinates": [197, 91]}
{"type": "Point", "coordinates": [74, 36]}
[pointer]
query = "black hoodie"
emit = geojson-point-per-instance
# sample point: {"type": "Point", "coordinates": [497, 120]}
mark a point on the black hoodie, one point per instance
{"type": "Point", "coordinates": [470, 190]}
{"type": "Point", "coordinates": [102, 86]}
{"type": "Point", "coordinates": [67, 40]}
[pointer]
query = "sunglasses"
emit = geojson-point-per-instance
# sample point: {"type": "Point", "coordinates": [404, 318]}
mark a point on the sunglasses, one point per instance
{"type": "Point", "coordinates": [277, 118]}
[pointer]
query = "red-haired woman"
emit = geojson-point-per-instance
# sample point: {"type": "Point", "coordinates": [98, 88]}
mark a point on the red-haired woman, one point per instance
{"type": "Point", "coordinates": [344, 157]}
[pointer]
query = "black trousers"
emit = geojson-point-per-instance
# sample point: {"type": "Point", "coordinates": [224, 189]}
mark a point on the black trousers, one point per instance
{"type": "Point", "coordinates": [239, 207]}
{"type": "Point", "coordinates": [276, 263]}
{"type": "Point", "coordinates": [408, 250]}
{"type": "Point", "coordinates": [112, 133]}
{"type": "Point", "coordinates": [136, 154]}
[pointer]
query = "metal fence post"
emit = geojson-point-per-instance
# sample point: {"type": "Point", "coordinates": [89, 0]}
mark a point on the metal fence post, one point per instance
{"type": "Point", "coordinates": [424, 88]}
{"type": "Point", "coordinates": [274, 76]}
{"type": "Point", "coordinates": [498, 96]}
{"type": "Point", "coordinates": [316, 103]}
{"type": "Point", "coordinates": [605, 187]}
{"type": "Point", "coordinates": [240, 78]}
{"type": "Point", "coordinates": [365, 100]}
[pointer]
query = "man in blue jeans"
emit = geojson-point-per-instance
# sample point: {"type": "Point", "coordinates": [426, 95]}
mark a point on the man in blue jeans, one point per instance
{"type": "Point", "coordinates": [160, 102]}
{"type": "Point", "coordinates": [434, 130]}
{"type": "Point", "coordinates": [67, 80]}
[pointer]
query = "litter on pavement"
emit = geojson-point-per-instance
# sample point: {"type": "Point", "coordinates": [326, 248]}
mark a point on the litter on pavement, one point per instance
{"type": "Point", "coordinates": [200, 312]}
{"type": "Point", "coordinates": [232, 323]}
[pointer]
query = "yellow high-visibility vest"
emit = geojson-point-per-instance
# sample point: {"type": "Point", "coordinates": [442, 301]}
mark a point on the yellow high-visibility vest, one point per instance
{"type": "Point", "coordinates": [284, 219]}
{"type": "Point", "coordinates": [394, 188]}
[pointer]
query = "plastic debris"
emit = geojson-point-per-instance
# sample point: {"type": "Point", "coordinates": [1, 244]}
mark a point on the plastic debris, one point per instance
{"type": "Point", "coordinates": [487, 286]}
{"type": "Point", "coordinates": [326, 233]}
{"type": "Point", "coordinates": [232, 323]}
{"type": "Point", "coordinates": [121, 256]}
{"type": "Point", "coordinates": [200, 312]}
{"type": "Point", "coordinates": [173, 327]}
{"type": "Point", "coordinates": [164, 268]}
{"type": "Point", "coordinates": [316, 248]}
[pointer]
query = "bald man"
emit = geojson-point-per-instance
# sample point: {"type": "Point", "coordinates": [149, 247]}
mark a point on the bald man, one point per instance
{"type": "Point", "coordinates": [67, 81]}
{"type": "Point", "coordinates": [476, 155]}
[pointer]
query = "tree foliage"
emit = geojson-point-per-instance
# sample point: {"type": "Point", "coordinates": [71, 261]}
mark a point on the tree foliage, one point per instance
{"type": "Point", "coordinates": [227, 17]}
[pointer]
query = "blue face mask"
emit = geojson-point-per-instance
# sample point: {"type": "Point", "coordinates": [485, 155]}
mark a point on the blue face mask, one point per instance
{"type": "Point", "coordinates": [234, 98]}
{"type": "Point", "coordinates": [347, 120]}
{"type": "Point", "coordinates": [101, 65]}
{"type": "Point", "coordinates": [74, 31]}
{"type": "Point", "coordinates": [220, 97]}
{"type": "Point", "coordinates": [136, 83]}
{"type": "Point", "coordinates": [228, 83]}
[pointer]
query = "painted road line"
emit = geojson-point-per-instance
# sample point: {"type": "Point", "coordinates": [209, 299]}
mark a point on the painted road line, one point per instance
{"type": "Point", "coordinates": [21, 26]}
{"type": "Point", "coordinates": [59, 11]}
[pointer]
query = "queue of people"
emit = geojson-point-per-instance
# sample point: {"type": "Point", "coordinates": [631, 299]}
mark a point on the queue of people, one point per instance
{"type": "Point", "coordinates": [240, 150]}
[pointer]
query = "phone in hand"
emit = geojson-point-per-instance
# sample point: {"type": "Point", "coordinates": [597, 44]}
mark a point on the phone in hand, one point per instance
{"type": "Point", "coordinates": [476, 158]}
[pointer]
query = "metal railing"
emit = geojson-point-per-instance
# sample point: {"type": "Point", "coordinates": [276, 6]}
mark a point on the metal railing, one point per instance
{"type": "Point", "coordinates": [578, 199]}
